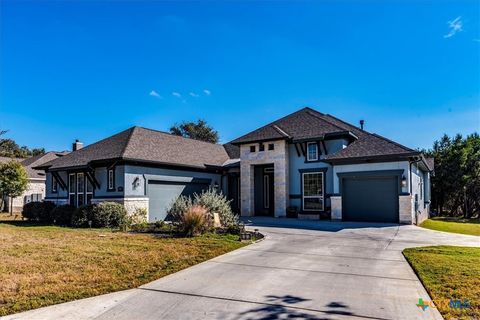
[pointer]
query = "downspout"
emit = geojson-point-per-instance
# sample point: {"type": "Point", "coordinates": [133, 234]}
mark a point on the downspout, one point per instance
{"type": "Point", "coordinates": [411, 188]}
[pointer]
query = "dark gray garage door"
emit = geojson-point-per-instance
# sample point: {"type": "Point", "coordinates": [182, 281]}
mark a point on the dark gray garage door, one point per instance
{"type": "Point", "coordinates": [162, 194]}
{"type": "Point", "coordinates": [373, 199]}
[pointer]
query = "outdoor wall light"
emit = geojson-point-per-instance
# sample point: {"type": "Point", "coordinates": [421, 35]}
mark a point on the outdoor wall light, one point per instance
{"type": "Point", "coordinates": [136, 182]}
{"type": "Point", "coordinates": [404, 182]}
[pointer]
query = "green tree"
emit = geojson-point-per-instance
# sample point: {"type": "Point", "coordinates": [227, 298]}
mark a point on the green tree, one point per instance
{"type": "Point", "coordinates": [456, 182]}
{"type": "Point", "coordinates": [199, 130]}
{"type": "Point", "coordinates": [13, 180]}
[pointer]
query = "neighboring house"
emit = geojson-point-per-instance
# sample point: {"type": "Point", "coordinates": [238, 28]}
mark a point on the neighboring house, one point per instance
{"type": "Point", "coordinates": [36, 180]}
{"type": "Point", "coordinates": [307, 163]}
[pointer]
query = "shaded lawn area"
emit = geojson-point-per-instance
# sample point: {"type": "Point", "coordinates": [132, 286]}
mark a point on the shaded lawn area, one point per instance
{"type": "Point", "coordinates": [449, 272]}
{"type": "Point", "coordinates": [45, 265]}
{"type": "Point", "coordinates": [455, 225]}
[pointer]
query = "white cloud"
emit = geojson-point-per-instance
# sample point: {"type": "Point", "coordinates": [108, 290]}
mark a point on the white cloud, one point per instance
{"type": "Point", "coordinates": [207, 92]}
{"type": "Point", "coordinates": [155, 94]}
{"type": "Point", "coordinates": [176, 94]}
{"type": "Point", "coordinates": [193, 94]}
{"type": "Point", "coordinates": [455, 26]}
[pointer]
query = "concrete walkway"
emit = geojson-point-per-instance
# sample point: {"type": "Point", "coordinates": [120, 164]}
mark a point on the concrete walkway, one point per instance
{"type": "Point", "coordinates": [302, 270]}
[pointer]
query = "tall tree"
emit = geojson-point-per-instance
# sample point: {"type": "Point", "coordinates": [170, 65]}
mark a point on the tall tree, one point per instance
{"type": "Point", "coordinates": [13, 180]}
{"type": "Point", "coordinates": [199, 130]}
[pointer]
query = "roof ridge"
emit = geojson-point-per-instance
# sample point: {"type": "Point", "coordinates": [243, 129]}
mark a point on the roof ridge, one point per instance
{"type": "Point", "coordinates": [281, 131]}
{"type": "Point", "coordinates": [345, 122]}
{"type": "Point", "coordinates": [321, 118]}
{"type": "Point", "coordinates": [393, 142]}
{"type": "Point", "coordinates": [176, 136]}
{"type": "Point", "coordinates": [128, 140]}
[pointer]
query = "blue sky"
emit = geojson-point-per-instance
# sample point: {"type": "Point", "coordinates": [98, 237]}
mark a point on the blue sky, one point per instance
{"type": "Point", "coordinates": [71, 69]}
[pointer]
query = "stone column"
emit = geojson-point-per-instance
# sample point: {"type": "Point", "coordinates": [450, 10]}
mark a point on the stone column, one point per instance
{"type": "Point", "coordinates": [246, 189]}
{"type": "Point", "coordinates": [405, 207]}
{"type": "Point", "coordinates": [336, 206]}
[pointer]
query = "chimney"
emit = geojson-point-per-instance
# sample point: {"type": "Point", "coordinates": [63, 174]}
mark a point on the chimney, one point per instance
{"type": "Point", "coordinates": [77, 145]}
{"type": "Point", "coordinates": [362, 122]}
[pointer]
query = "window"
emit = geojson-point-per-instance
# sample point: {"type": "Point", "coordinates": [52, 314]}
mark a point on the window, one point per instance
{"type": "Point", "coordinates": [111, 179]}
{"type": "Point", "coordinates": [252, 148]}
{"type": "Point", "coordinates": [80, 189]}
{"type": "Point", "coordinates": [89, 191]}
{"type": "Point", "coordinates": [261, 147]}
{"type": "Point", "coordinates": [271, 146]}
{"type": "Point", "coordinates": [312, 151]}
{"type": "Point", "coordinates": [312, 191]}
{"type": "Point", "coordinates": [71, 189]}
{"type": "Point", "coordinates": [54, 185]}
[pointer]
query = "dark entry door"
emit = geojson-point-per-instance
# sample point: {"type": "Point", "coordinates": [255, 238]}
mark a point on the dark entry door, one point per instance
{"type": "Point", "coordinates": [264, 191]}
{"type": "Point", "coordinates": [373, 199]}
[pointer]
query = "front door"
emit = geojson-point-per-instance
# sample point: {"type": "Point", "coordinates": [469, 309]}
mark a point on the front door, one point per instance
{"type": "Point", "coordinates": [264, 191]}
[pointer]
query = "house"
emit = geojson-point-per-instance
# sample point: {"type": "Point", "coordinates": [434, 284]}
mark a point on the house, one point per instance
{"type": "Point", "coordinates": [308, 164]}
{"type": "Point", "coordinates": [36, 180]}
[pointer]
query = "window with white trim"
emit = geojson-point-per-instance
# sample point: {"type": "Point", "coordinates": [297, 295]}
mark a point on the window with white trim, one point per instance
{"type": "Point", "coordinates": [313, 193]}
{"type": "Point", "coordinates": [71, 189]}
{"type": "Point", "coordinates": [89, 190]}
{"type": "Point", "coordinates": [312, 151]}
{"type": "Point", "coordinates": [54, 184]}
{"type": "Point", "coordinates": [80, 189]}
{"type": "Point", "coordinates": [266, 191]}
{"type": "Point", "coordinates": [111, 179]}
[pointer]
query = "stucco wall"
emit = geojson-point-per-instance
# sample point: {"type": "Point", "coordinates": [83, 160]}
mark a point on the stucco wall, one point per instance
{"type": "Point", "coordinates": [420, 194]}
{"type": "Point", "coordinates": [34, 187]}
{"type": "Point", "coordinates": [297, 163]}
{"type": "Point", "coordinates": [146, 173]}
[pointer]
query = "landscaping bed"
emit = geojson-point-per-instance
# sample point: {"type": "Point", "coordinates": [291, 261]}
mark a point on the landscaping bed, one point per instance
{"type": "Point", "coordinates": [454, 225]}
{"type": "Point", "coordinates": [45, 265]}
{"type": "Point", "coordinates": [451, 276]}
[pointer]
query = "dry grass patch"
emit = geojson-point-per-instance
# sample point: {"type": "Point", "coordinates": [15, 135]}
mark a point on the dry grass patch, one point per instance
{"type": "Point", "coordinates": [45, 265]}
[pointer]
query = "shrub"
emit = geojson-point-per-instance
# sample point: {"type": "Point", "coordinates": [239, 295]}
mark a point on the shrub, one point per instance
{"type": "Point", "coordinates": [138, 219]}
{"type": "Point", "coordinates": [217, 202]}
{"type": "Point", "coordinates": [82, 215]}
{"type": "Point", "coordinates": [62, 215]}
{"type": "Point", "coordinates": [195, 221]}
{"type": "Point", "coordinates": [109, 215]}
{"type": "Point", "coordinates": [178, 208]}
{"type": "Point", "coordinates": [39, 211]}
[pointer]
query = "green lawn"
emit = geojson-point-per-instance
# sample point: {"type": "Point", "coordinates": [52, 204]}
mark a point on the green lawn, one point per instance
{"type": "Point", "coordinates": [449, 273]}
{"type": "Point", "coordinates": [45, 265]}
{"type": "Point", "coordinates": [455, 225]}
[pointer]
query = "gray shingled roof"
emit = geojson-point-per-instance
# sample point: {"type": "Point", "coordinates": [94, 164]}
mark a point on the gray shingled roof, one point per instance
{"type": "Point", "coordinates": [36, 161]}
{"type": "Point", "coordinates": [146, 145]}
{"type": "Point", "coordinates": [308, 123]}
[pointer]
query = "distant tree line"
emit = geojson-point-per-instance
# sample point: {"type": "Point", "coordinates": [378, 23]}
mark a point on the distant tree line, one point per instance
{"type": "Point", "coordinates": [456, 181]}
{"type": "Point", "coordinates": [9, 148]}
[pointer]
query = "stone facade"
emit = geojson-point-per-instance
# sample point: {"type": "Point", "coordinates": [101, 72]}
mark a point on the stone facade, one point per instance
{"type": "Point", "coordinates": [279, 158]}
{"type": "Point", "coordinates": [34, 188]}
{"type": "Point", "coordinates": [405, 209]}
{"type": "Point", "coordinates": [130, 204]}
{"type": "Point", "coordinates": [336, 205]}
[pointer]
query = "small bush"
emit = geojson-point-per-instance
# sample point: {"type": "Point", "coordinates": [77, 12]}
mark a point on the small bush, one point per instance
{"type": "Point", "coordinates": [62, 215]}
{"type": "Point", "coordinates": [217, 202]}
{"type": "Point", "coordinates": [39, 211]}
{"type": "Point", "coordinates": [178, 208]}
{"type": "Point", "coordinates": [195, 221]}
{"type": "Point", "coordinates": [82, 215]}
{"type": "Point", "coordinates": [138, 219]}
{"type": "Point", "coordinates": [109, 215]}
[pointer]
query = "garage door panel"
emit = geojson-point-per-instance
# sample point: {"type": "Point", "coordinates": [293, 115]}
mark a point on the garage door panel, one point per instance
{"type": "Point", "coordinates": [163, 194]}
{"type": "Point", "coordinates": [373, 199]}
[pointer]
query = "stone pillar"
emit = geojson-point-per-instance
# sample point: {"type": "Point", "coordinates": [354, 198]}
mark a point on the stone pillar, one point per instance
{"type": "Point", "coordinates": [246, 189]}
{"type": "Point", "coordinates": [405, 207]}
{"type": "Point", "coordinates": [336, 206]}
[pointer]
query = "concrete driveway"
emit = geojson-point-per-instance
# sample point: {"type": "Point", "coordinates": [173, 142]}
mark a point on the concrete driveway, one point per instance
{"type": "Point", "coordinates": [302, 270]}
